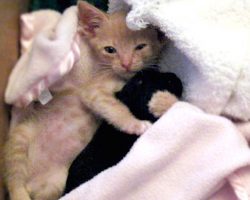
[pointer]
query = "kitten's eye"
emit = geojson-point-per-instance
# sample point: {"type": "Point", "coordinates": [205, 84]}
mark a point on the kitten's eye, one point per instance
{"type": "Point", "coordinates": [140, 47]}
{"type": "Point", "coordinates": [110, 49]}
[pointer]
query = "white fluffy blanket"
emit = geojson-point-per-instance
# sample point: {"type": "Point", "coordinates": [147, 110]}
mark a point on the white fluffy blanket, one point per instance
{"type": "Point", "coordinates": [212, 57]}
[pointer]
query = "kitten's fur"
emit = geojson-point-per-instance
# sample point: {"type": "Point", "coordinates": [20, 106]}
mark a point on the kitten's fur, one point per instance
{"type": "Point", "coordinates": [41, 147]}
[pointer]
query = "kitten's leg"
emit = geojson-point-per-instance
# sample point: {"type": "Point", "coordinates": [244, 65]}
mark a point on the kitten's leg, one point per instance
{"type": "Point", "coordinates": [49, 186]}
{"type": "Point", "coordinates": [15, 160]}
{"type": "Point", "coordinates": [160, 102]}
{"type": "Point", "coordinates": [115, 112]}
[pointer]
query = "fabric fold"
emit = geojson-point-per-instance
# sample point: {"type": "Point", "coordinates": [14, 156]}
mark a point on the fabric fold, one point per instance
{"type": "Point", "coordinates": [50, 49]}
{"type": "Point", "coordinates": [186, 155]}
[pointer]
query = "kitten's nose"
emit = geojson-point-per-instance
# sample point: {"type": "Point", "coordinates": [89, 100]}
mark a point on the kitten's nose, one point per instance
{"type": "Point", "coordinates": [126, 65]}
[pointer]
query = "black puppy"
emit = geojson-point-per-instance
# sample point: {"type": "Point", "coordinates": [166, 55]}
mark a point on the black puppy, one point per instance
{"type": "Point", "coordinates": [109, 145]}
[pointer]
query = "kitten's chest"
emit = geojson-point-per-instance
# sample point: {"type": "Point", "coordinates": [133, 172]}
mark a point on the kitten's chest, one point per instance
{"type": "Point", "coordinates": [66, 129]}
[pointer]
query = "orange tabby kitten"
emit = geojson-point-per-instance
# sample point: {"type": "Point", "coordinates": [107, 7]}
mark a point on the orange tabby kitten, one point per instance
{"type": "Point", "coordinates": [41, 147]}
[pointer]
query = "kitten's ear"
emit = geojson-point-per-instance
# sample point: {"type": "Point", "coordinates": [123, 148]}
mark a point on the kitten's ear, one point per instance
{"type": "Point", "coordinates": [90, 18]}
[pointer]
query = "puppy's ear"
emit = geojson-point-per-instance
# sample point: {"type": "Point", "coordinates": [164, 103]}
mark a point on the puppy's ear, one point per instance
{"type": "Point", "coordinates": [90, 18]}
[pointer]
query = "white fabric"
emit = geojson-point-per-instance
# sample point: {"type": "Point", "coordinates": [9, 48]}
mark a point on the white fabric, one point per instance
{"type": "Point", "coordinates": [211, 50]}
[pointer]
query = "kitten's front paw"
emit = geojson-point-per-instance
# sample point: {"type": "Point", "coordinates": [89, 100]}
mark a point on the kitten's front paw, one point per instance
{"type": "Point", "coordinates": [160, 102]}
{"type": "Point", "coordinates": [137, 127]}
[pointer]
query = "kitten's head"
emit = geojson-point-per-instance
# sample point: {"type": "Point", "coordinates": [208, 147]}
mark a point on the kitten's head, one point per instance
{"type": "Point", "coordinates": [116, 47]}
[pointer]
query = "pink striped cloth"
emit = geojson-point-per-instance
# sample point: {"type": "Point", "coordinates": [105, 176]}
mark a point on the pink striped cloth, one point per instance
{"type": "Point", "coordinates": [49, 51]}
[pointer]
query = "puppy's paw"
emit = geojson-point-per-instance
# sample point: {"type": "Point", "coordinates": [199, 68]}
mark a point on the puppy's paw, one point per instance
{"type": "Point", "coordinates": [160, 102]}
{"type": "Point", "coordinates": [137, 127]}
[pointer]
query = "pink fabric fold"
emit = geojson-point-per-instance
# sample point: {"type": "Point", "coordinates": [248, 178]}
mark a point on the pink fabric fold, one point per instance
{"type": "Point", "coordinates": [186, 155]}
{"type": "Point", "coordinates": [49, 50]}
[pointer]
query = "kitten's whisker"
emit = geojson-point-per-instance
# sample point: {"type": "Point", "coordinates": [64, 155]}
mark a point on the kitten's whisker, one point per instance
{"type": "Point", "coordinates": [105, 64]}
{"type": "Point", "coordinates": [155, 59]}
{"type": "Point", "coordinates": [151, 64]}
{"type": "Point", "coordinates": [151, 67]}
{"type": "Point", "coordinates": [101, 71]}
{"type": "Point", "coordinates": [155, 66]}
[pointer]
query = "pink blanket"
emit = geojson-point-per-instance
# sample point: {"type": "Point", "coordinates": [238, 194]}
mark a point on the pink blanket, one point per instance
{"type": "Point", "coordinates": [186, 155]}
{"type": "Point", "coordinates": [49, 51]}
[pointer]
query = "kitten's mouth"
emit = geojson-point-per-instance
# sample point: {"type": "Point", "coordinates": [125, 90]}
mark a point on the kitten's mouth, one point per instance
{"type": "Point", "coordinates": [130, 71]}
{"type": "Point", "coordinates": [127, 74]}
{"type": "Point", "coordinates": [133, 69]}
